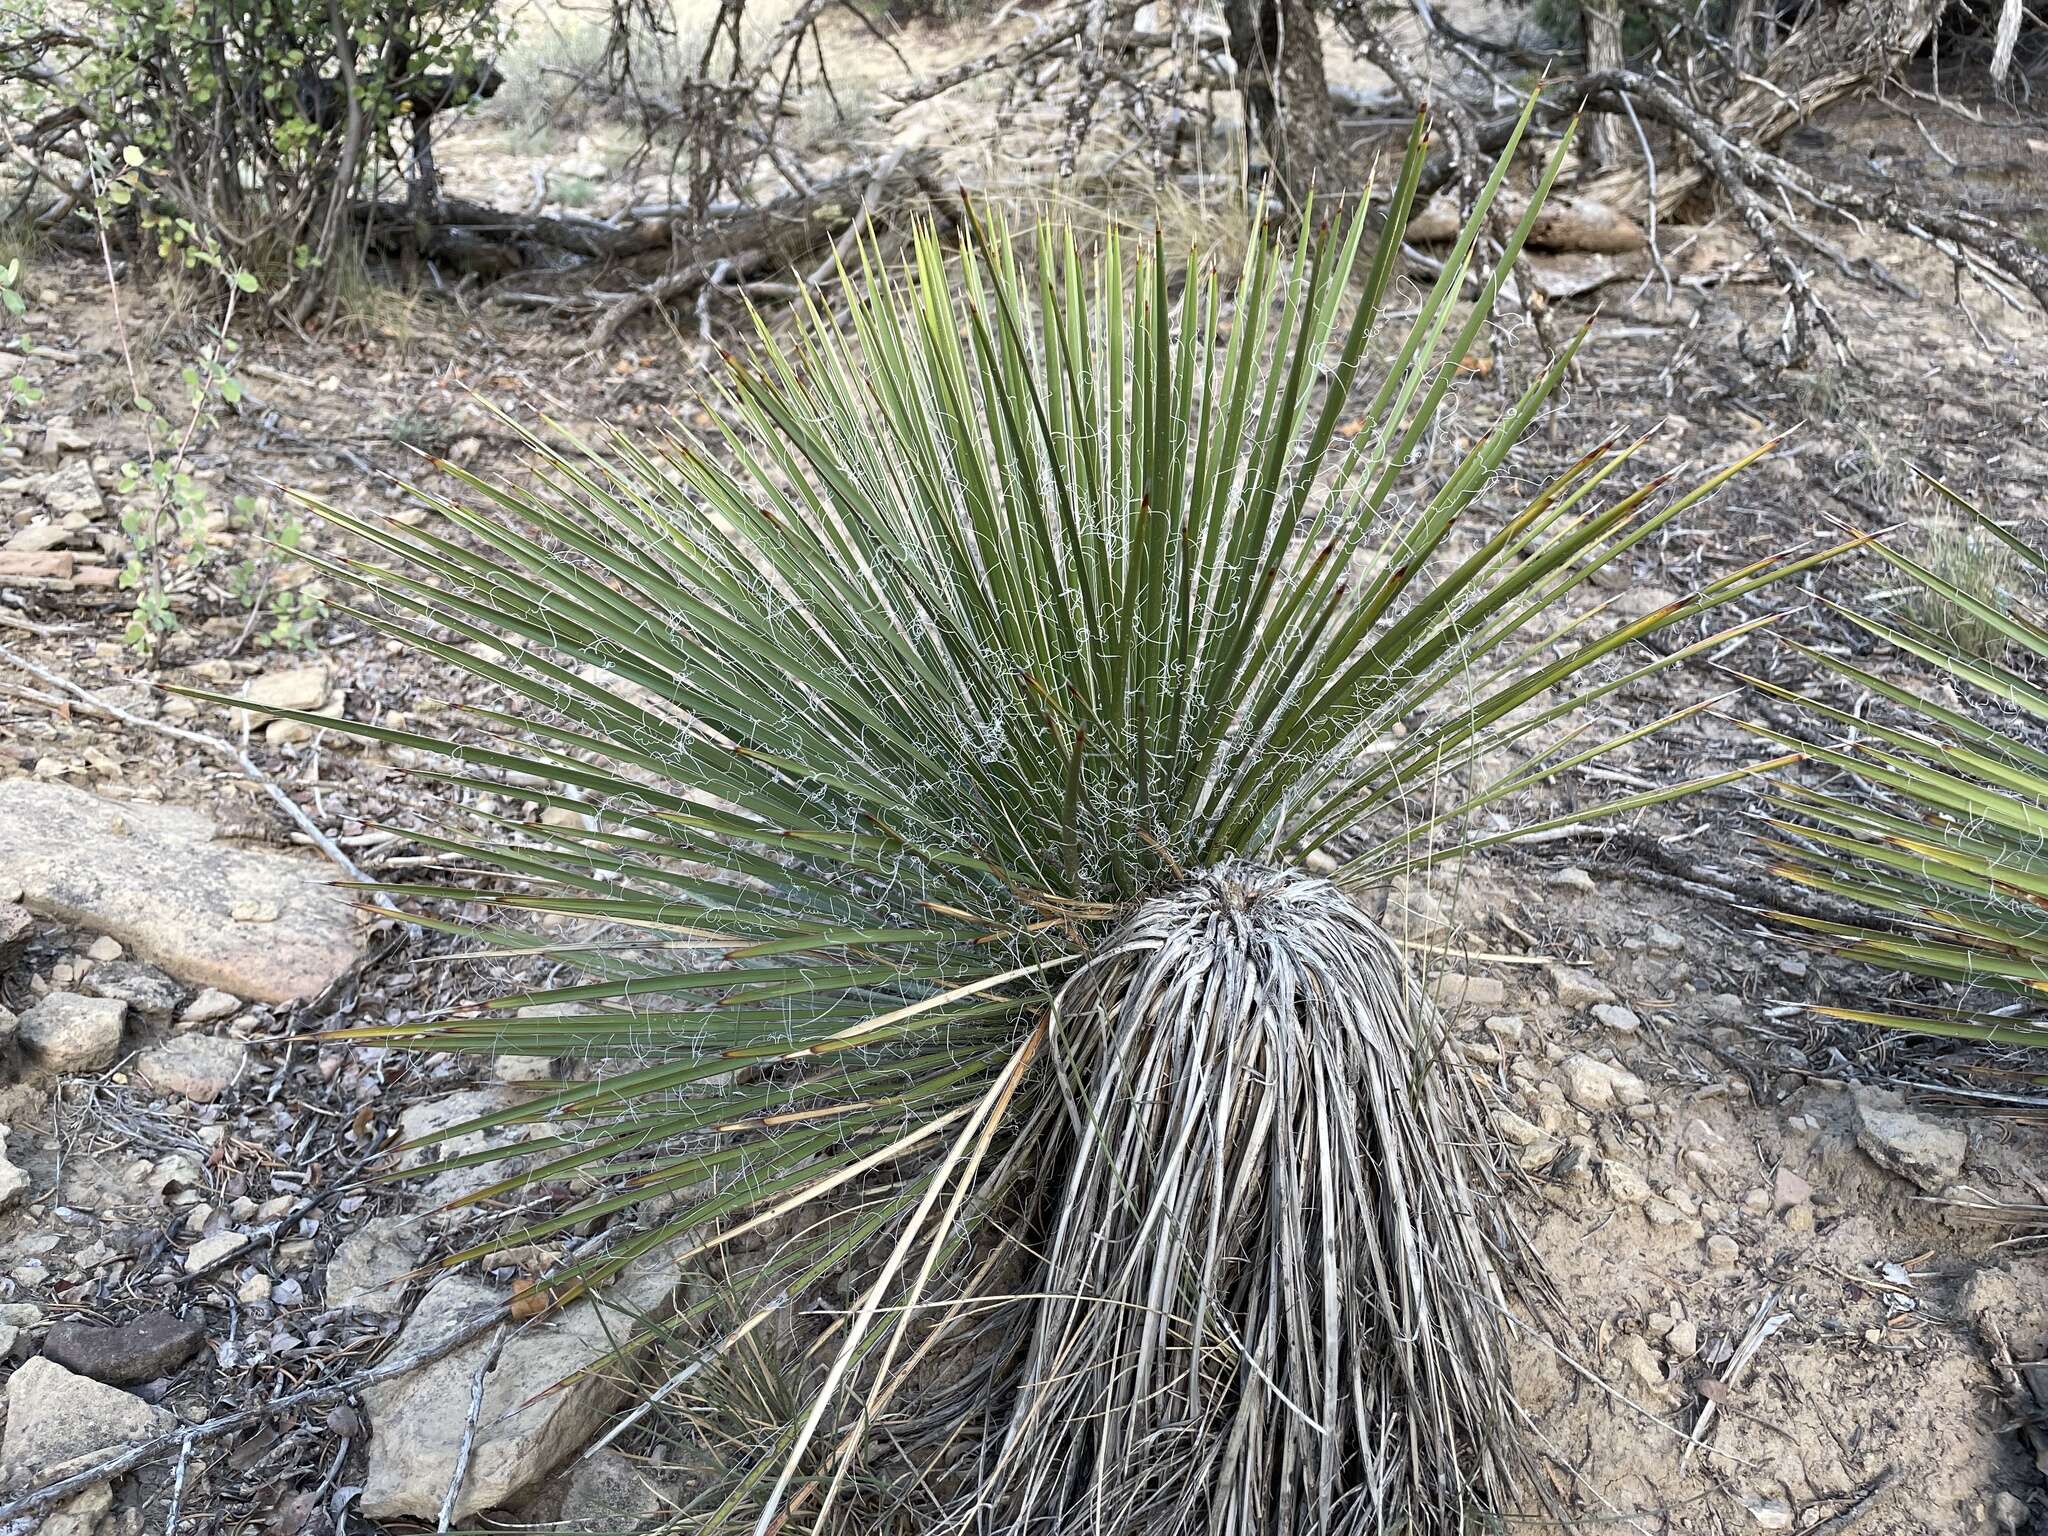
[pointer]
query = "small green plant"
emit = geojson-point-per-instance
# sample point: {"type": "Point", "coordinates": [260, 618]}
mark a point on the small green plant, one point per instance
{"type": "Point", "coordinates": [21, 391]}
{"type": "Point", "coordinates": [1968, 558]}
{"type": "Point", "coordinates": [575, 191]}
{"type": "Point", "coordinates": [169, 517]}
{"type": "Point", "coordinates": [1934, 819]}
{"type": "Point", "coordinates": [945, 737]}
{"type": "Point", "coordinates": [417, 430]}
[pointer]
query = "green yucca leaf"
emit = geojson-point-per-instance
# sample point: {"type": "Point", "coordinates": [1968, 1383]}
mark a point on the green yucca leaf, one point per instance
{"type": "Point", "coordinates": [1936, 819]}
{"type": "Point", "coordinates": [1030, 588]}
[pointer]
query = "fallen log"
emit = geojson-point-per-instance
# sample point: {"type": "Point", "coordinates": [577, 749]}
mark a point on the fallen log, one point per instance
{"type": "Point", "coordinates": [666, 257]}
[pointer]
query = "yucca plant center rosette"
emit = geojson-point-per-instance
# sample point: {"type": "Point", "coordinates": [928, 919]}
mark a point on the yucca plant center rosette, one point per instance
{"type": "Point", "coordinates": [949, 732]}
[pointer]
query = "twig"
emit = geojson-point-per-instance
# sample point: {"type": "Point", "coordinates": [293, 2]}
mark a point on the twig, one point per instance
{"type": "Point", "coordinates": [178, 1488]}
{"type": "Point", "coordinates": [869, 200]}
{"type": "Point", "coordinates": [143, 1451]}
{"type": "Point", "coordinates": [1650, 174]}
{"type": "Point", "coordinates": [1846, 1520]}
{"type": "Point", "coordinates": [40, 631]}
{"type": "Point", "coordinates": [1761, 1327]}
{"type": "Point", "coordinates": [212, 744]}
{"type": "Point", "coordinates": [468, 1445]}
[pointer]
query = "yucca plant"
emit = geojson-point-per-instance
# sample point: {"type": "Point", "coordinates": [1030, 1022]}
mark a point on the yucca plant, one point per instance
{"type": "Point", "coordinates": [1934, 816]}
{"type": "Point", "coordinates": [946, 735]}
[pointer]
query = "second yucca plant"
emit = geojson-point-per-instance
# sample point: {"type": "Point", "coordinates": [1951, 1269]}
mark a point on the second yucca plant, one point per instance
{"type": "Point", "coordinates": [943, 743]}
{"type": "Point", "coordinates": [1930, 811]}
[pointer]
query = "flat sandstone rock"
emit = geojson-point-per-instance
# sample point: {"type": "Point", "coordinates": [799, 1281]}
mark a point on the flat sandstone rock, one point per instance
{"type": "Point", "coordinates": [262, 925]}
{"type": "Point", "coordinates": [420, 1421]}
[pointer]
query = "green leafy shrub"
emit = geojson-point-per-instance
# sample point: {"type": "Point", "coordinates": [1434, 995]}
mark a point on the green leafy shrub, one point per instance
{"type": "Point", "coordinates": [256, 123]}
{"type": "Point", "coordinates": [1936, 818]}
{"type": "Point", "coordinates": [933, 753]}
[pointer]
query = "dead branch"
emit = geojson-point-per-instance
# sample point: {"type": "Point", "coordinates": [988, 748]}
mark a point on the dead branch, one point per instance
{"type": "Point", "coordinates": [1837, 50]}
{"type": "Point", "coordinates": [1742, 169]}
{"type": "Point", "coordinates": [779, 238]}
{"type": "Point", "coordinates": [1718, 154]}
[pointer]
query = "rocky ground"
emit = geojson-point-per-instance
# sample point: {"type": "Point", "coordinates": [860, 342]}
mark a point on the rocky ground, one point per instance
{"type": "Point", "coordinates": [1777, 1302]}
{"type": "Point", "coordinates": [1797, 1274]}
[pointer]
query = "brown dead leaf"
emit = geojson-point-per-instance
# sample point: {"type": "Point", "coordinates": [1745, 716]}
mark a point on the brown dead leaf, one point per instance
{"type": "Point", "coordinates": [529, 1298]}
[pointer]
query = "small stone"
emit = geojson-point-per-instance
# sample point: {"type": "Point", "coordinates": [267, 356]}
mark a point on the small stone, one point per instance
{"type": "Point", "coordinates": [83, 1514]}
{"type": "Point", "coordinates": [1594, 1085]}
{"type": "Point", "coordinates": [1722, 1250]}
{"type": "Point", "coordinates": [1789, 1189]}
{"type": "Point", "coordinates": [16, 923]}
{"type": "Point", "coordinates": [1454, 989]}
{"type": "Point", "coordinates": [69, 1033]}
{"type": "Point", "coordinates": [209, 1251]}
{"type": "Point", "coordinates": [47, 565]}
{"type": "Point", "coordinates": [303, 688]}
{"type": "Point", "coordinates": [1570, 878]}
{"type": "Point", "coordinates": [146, 990]}
{"type": "Point", "coordinates": [1663, 939]}
{"type": "Point", "coordinates": [1414, 912]}
{"type": "Point", "coordinates": [1684, 1338]}
{"type": "Point", "coordinates": [1625, 1184]}
{"type": "Point", "coordinates": [39, 538]}
{"type": "Point", "coordinates": [2008, 1511]}
{"type": "Point", "coordinates": [523, 1069]}
{"type": "Point", "coordinates": [1662, 1213]}
{"type": "Point", "coordinates": [210, 1006]}
{"type": "Point", "coordinates": [158, 879]}
{"type": "Point", "coordinates": [1513, 1128]}
{"type": "Point", "coordinates": [421, 1122]}
{"type": "Point", "coordinates": [254, 1291]}
{"type": "Point", "coordinates": [541, 1403]}
{"type": "Point", "coordinates": [368, 1269]}
{"type": "Point", "coordinates": [1578, 991]}
{"type": "Point", "coordinates": [153, 1345]}
{"type": "Point", "coordinates": [287, 733]}
{"type": "Point", "coordinates": [607, 1492]}
{"type": "Point", "coordinates": [196, 1067]}
{"type": "Point", "coordinates": [60, 1422]}
{"type": "Point", "coordinates": [1926, 1152]}
{"type": "Point", "coordinates": [72, 489]}
{"type": "Point", "coordinates": [1505, 1027]}
{"type": "Point", "coordinates": [1641, 1361]}
{"type": "Point", "coordinates": [1617, 1017]}
{"type": "Point", "coordinates": [1769, 1514]}
{"type": "Point", "coordinates": [13, 1182]}
{"type": "Point", "coordinates": [103, 949]}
